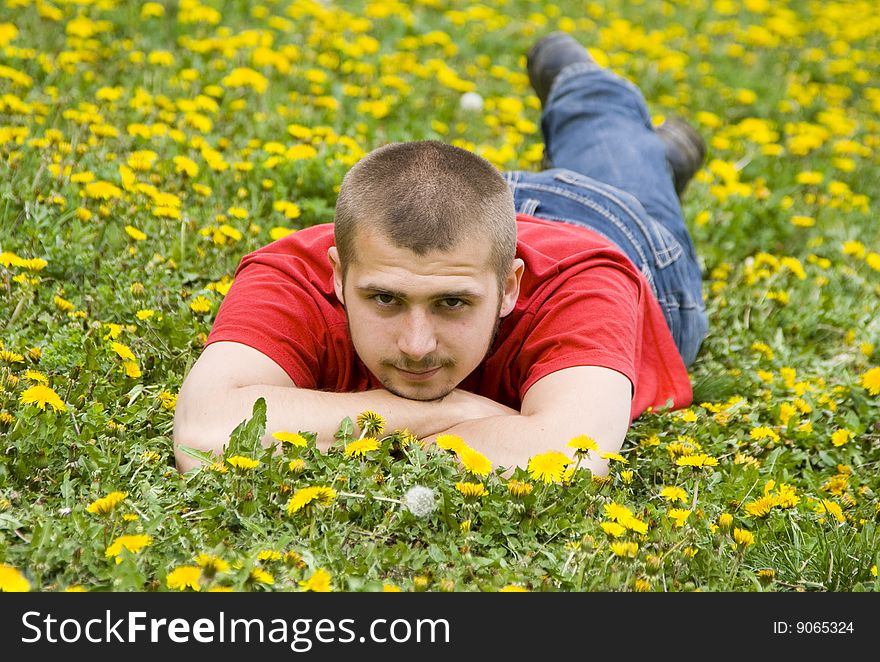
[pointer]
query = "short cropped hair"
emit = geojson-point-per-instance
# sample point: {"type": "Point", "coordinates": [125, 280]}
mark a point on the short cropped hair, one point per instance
{"type": "Point", "coordinates": [425, 196]}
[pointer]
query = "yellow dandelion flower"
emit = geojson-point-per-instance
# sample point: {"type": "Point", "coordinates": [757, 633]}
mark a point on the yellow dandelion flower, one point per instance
{"type": "Point", "coordinates": [390, 588]}
{"type": "Point", "coordinates": [211, 564]}
{"type": "Point", "coordinates": [698, 460]}
{"type": "Point", "coordinates": [471, 490]}
{"type": "Point", "coordinates": [319, 582]}
{"type": "Point", "coordinates": [518, 488]}
{"type": "Point", "coordinates": [12, 581]}
{"type": "Point", "coordinates": [615, 457]}
{"type": "Point", "coordinates": [583, 444]}
{"type": "Point", "coordinates": [306, 495]}
{"type": "Point", "coordinates": [185, 166]}
{"type": "Point", "coordinates": [123, 351]}
{"type": "Point", "coordinates": [41, 396]}
{"type": "Point", "coordinates": [760, 507]}
{"type": "Point", "coordinates": [617, 512]}
{"type": "Point", "coordinates": [832, 509]}
{"type": "Point", "coordinates": [105, 505]}
{"type": "Point", "coordinates": [548, 467]}
{"type": "Point", "coordinates": [11, 357]}
{"type": "Point", "coordinates": [261, 576]}
{"type": "Point", "coordinates": [63, 304]}
{"type": "Point", "coordinates": [246, 77]}
{"type": "Point", "coordinates": [297, 465]}
{"type": "Point", "coordinates": [474, 461]}
{"type": "Point", "coordinates": [743, 537]}
{"type": "Point", "coordinates": [680, 516]}
{"type": "Point", "coordinates": [243, 463]}
{"type": "Point", "coordinates": [809, 177]}
{"type": "Point", "coordinates": [725, 520]}
{"type": "Point", "coordinates": [133, 544]}
{"type": "Point", "coordinates": [134, 233]}
{"type": "Point", "coordinates": [183, 577]}
{"type": "Point", "coordinates": [613, 529]}
{"type": "Point", "coordinates": [360, 447]}
{"type": "Point", "coordinates": [840, 437]}
{"type": "Point", "coordinates": [871, 381]}
{"type": "Point", "coordinates": [673, 493]}
{"type": "Point", "coordinates": [279, 232]}
{"type": "Point", "coordinates": [167, 400]}
{"type": "Point", "coordinates": [200, 304]}
{"type": "Point", "coordinates": [635, 524]}
{"type": "Point", "coordinates": [102, 190]}
{"type": "Point", "coordinates": [37, 377]}
{"type": "Point", "coordinates": [372, 424]}
{"type": "Point", "coordinates": [269, 555]}
{"type": "Point", "coordinates": [450, 442]}
{"type": "Point", "coordinates": [293, 438]}
{"type": "Point", "coordinates": [621, 548]}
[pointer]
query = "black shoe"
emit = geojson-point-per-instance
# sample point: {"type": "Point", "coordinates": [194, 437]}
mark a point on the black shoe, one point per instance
{"type": "Point", "coordinates": [685, 150]}
{"type": "Point", "coordinates": [548, 56]}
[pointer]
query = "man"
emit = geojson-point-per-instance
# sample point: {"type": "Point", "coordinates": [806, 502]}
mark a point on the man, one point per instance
{"type": "Point", "coordinates": [515, 310]}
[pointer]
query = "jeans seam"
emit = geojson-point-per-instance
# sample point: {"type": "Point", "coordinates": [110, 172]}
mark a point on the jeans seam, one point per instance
{"type": "Point", "coordinates": [577, 68]}
{"type": "Point", "coordinates": [663, 257]}
{"type": "Point", "coordinates": [598, 209]}
{"type": "Point", "coordinates": [570, 71]}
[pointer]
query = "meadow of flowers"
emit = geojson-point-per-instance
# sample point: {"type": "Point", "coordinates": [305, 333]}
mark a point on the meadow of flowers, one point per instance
{"type": "Point", "coordinates": [146, 146]}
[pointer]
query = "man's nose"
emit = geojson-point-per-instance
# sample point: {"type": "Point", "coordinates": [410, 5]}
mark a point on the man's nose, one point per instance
{"type": "Point", "coordinates": [417, 338]}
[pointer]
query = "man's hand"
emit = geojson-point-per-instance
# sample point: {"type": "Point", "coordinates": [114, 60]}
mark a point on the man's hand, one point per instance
{"type": "Point", "coordinates": [220, 390]}
{"type": "Point", "coordinates": [470, 406]}
{"type": "Point", "coordinates": [588, 400]}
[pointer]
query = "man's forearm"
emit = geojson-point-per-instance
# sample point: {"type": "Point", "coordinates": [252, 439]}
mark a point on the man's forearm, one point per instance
{"type": "Point", "coordinates": [206, 422]}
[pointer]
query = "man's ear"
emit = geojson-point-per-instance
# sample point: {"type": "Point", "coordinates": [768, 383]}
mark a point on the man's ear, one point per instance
{"type": "Point", "coordinates": [510, 294]}
{"type": "Point", "coordinates": [333, 256]}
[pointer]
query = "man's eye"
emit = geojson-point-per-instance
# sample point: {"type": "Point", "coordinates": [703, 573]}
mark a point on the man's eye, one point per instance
{"type": "Point", "coordinates": [384, 299]}
{"type": "Point", "coordinates": [452, 303]}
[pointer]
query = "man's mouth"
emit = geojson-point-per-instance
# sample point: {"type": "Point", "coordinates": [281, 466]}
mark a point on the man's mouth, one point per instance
{"type": "Point", "coordinates": [418, 375]}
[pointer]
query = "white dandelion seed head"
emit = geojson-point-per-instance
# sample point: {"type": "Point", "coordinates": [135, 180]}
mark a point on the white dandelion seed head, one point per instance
{"type": "Point", "coordinates": [419, 500]}
{"type": "Point", "coordinates": [471, 101]}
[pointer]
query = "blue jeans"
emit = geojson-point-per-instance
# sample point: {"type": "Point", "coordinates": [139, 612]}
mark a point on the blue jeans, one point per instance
{"type": "Point", "coordinates": [611, 175]}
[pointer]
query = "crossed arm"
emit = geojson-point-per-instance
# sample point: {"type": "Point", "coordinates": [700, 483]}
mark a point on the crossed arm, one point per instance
{"type": "Point", "coordinates": [226, 380]}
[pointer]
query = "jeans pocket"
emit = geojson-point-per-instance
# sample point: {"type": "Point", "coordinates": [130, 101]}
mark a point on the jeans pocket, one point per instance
{"type": "Point", "coordinates": [628, 213]}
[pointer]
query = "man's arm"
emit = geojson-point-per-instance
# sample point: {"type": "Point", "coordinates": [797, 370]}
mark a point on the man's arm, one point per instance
{"type": "Point", "coordinates": [586, 400]}
{"type": "Point", "coordinates": [220, 390]}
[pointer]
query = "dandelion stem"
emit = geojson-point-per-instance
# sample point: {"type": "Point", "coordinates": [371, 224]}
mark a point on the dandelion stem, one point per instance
{"type": "Point", "coordinates": [18, 309]}
{"type": "Point", "coordinates": [371, 496]}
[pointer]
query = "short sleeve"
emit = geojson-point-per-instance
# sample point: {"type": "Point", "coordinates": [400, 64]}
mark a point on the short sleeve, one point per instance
{"type": "Point", "coordinates": [273, 313]}
{"type": "Point", "coordinates": [591, 318]}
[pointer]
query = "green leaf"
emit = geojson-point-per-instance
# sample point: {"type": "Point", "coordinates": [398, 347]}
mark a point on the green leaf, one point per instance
{"type": "Point", "coordinates": [246, 439]}
{"type": "Point", "coordinates": [205, 456]}
{"type": "Point", "coordinates": [346, 429]}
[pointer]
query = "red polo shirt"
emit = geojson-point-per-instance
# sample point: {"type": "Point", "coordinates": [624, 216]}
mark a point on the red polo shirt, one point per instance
{"type": "Point", "coordinates": [582, 303]}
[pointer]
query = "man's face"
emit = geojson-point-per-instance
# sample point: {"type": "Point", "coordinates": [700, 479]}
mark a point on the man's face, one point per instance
{"type": "Point", "coordinates": [421, 324]}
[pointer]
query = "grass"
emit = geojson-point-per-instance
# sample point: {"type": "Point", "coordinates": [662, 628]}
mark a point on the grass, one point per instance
{"type": "Point", "coordinates": [146, 147]}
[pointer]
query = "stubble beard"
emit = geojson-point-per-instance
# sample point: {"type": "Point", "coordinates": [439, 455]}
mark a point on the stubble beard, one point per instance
{"type": "Point", "coordinates": [429, 365]}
